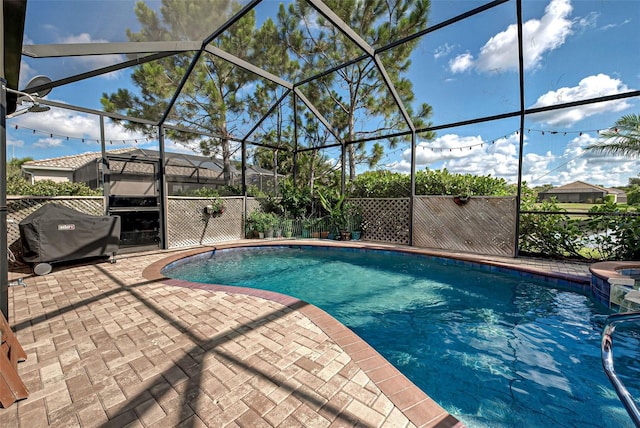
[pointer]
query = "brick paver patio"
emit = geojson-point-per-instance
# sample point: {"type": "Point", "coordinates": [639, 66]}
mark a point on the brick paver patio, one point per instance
{"type": "Point", "coordinates": [109, 346]}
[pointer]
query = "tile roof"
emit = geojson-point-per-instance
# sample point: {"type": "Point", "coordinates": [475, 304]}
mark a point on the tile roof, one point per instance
{"type": "Point", "coordinates": [179, 164]}
{"type": "Point", "coordinates": [73, 161]}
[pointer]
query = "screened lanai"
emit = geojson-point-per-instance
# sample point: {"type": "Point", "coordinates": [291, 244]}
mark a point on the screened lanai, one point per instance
{"type": "Point", "coordinates": [346, 81]}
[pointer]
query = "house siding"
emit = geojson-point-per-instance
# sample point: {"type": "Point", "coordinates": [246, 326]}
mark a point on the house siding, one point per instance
{"type": "Point", "coordinates": [577, 197]}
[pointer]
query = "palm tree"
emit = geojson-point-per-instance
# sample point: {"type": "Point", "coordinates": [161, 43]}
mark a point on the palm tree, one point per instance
{"type": "Point", "coordinates": [622, 139]}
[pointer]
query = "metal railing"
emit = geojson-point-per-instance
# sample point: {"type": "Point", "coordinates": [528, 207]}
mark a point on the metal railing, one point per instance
{"type": "Point", "coordinates": [607, 362]}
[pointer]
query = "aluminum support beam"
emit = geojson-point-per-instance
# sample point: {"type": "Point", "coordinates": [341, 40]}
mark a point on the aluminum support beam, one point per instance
{"type": "Point", "coordinates": [362, 44]}
{"type": "Point", "coordinates": [124, 48]}
{"type": "Point", "coordinates": [522, 120]}
{"type": "Point", "coordinates": [394, 93]}
{"type": "Point", "coordinates": [4, 262]}
{"type": "Point", "coordinates": [97, 72]}
{"type": "Point", "coordinates": [248, 66]}
{"type": "Point", "coordinates": [325, 11]}
{"type": "Point", "coordinates": [267, 114]}
{"type": "Point", "coordinates": [317, 114]}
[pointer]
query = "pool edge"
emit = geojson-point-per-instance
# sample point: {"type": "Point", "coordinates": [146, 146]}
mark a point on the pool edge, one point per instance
{"type": "Point", "coordinates": [414, 403]}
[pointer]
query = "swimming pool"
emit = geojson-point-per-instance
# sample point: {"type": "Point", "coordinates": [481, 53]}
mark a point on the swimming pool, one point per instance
{"type": "Point", "coordinates": [493, 350]}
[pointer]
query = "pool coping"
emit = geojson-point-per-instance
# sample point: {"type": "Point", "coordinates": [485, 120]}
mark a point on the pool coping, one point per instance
{"type": "Point", "coordinates": [419, 408]}
{"type": "Point", "coordinates": [607, 276]}
{"type": "Point", "coordinates": [613, 272]}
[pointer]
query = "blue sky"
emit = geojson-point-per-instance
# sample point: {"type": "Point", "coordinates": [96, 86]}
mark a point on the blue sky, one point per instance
{"type": "Point", "coordinates": [574, 49]}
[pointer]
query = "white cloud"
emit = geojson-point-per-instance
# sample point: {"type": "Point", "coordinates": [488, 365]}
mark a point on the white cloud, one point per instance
{"type": "Point", "coordinates": [576, 164]}
{"type": "Point", "coordinates": [93, 62]}
{"type": "Point", "coordinates": [190, 148]}
{"type": "Point", "coordinates": [61, 123]}
{"type": "Point", "coordinates": [464, 154]}
{"type": "Point", "coordinates": [496, 158]}
{"type": "Point", "coordinates": [535, 167]}
{"type": "Point", "coordinates": [443, 50]}
{"type": "Point", "coordinates": [48, 143]}
{"type": "Point", "coordinates": [500, 159]}
{"type": "Point", "coordinates": [14, 143]}
{"type": "Point", "coordinates": [588, 22]}
{"type": "Point", "coordinates": [540, 36]}
{"type": "Point", "coordinates": [461, 63]}
{"type": "Point", "coordinates": [589, 87]}
{"type": "Point", "coordinates": [26, 73]}
{"type": "Point", "coordinates": [610, 26]}
{"type": "Point", "coordinates": [449, 146]}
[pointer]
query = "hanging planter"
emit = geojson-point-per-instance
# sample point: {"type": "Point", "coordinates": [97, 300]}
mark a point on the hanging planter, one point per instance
{"type": "Point", "coordinates": [461, 199]}
{"type": "Point", "coordinates": [215, 208]}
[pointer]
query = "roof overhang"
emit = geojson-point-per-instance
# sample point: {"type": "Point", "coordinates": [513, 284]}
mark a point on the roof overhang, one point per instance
{"type": "Point", "coordinates": [13, 13]}
{"type": "Point", "coordinates": [46, 168]}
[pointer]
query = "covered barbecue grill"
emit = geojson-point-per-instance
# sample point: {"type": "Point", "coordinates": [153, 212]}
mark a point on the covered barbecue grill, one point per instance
{"type": "Point", "coordinates": [55, 233]}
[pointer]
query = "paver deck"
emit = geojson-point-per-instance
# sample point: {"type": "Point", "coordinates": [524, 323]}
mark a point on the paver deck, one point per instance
{"type": "Point", "coordinates": [119, 345]}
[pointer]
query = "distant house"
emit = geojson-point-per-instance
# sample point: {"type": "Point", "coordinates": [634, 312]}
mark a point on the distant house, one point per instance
{"type": "Point", "coordinates": [621, 195]}
{"type": "Point", "coordinates": [581, 192]}
{"type": "Point", "coordinates": [131, 170]}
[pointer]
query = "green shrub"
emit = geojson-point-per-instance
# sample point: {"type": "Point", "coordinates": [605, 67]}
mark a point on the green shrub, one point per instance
{"type": "Point", "coordinates": [549, 235]}
{"type": "Point", "coordinates": [20, 187]}
{"type": "Point", "coordinates": [617, 237]}
{"type": "Point", "coordinates": [386, 184]}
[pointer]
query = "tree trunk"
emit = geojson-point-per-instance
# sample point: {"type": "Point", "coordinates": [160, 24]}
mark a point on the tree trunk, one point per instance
{"type": "Point", "coordinates": [312, 170]}
{"type": "Point", "coordinates": [352, 162]}
{"type": "Point", "coordinates": [351, 150]}
{"type": "Point", "coordinates": [226, 161]}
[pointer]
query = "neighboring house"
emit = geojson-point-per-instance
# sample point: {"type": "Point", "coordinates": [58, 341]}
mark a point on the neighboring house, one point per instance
{"type": "Point", "coordinates": [621, 195]}
{"type": "Point", "coordinates": [582, 192]}
{"type": "Point", "coordinates": [132, 169]}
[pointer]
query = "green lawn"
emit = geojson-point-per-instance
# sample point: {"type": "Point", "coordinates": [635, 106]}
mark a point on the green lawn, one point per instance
{"type": "Point", "coordinates": [575, 207]}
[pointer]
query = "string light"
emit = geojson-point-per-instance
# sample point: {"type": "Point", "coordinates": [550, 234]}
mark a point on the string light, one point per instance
{"type": "Point", "coordinates": [555, 132]}
{"type": "Point", "coordinates": [433, 149]}
{"type": "Point", "coordinates": [69, 137]}
{"type": "Point", "coordinates": [470, 147]}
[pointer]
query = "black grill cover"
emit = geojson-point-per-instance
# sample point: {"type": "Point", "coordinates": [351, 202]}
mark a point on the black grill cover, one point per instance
{"type": "Point", "coordinates": [56, 233]}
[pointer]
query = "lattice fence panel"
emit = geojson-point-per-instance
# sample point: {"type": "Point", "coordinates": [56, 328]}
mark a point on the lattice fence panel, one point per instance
{"type": "Point", "coordinates": [18, 208]}
{"type": "Point", "coordinates": [188, 225]}
{"type": "Point", "coordinates": [252, 205]}
{"type": "Point", "coordinates": [484, 225]}
{"type": "Point", "coordinates": [385, 219]}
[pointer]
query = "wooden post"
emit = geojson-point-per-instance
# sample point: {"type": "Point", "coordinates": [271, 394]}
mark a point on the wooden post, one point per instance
{"type": "Point", "coordinates": [11, 386]}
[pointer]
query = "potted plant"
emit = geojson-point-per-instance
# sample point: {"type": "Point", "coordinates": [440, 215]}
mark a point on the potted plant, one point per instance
{"type": "Point", "coordinates": [287, 227]}
{"type": "Point", "coordinates": [355, 222]}
{"type": "Point", "coordinates": [253, 224]}
{"type": "Point", "coordinates": [215, 208]}
{"type": "Point", "coordinates": [324, 226]}
{"type": "Point", "coordinates": [262, 223]}
{"type": "Point", "coordinates": [338, 215]}
{"type": "Point", "coordinates": [307, 226]}
{"type": "Point", "coordinates": [277, 231]}
{"type": "Point", "coordinates": [270, 221]}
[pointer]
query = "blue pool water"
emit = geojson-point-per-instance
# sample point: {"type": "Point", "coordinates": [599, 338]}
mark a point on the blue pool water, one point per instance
{"type": "Point", "coordinates": [495, 350]}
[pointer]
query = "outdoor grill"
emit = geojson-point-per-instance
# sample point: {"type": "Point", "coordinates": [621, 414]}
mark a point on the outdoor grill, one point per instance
{"type": "Point", "coordinates": [55, 233]}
